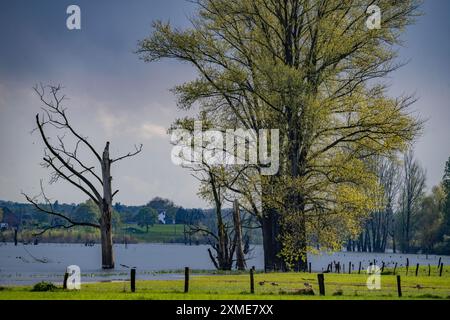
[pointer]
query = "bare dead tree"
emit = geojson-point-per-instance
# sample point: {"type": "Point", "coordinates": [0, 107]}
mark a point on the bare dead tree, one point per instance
{"type": "Point", "coordinates": [69, 165]}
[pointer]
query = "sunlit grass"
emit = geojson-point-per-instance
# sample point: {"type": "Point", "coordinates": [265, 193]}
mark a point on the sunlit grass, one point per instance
{"type": "Point", "coordinates": [267, 286]}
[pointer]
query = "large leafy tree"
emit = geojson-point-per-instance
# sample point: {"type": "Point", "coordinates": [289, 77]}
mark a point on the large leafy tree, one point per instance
{"type": "Point", "coordinates": [308, 68]}
{"type": "Point", "coordinates": [147, 216]}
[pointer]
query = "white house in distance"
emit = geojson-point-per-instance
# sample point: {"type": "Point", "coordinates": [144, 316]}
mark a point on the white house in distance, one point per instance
{"type": "Point", "coordinates": [162, 217]}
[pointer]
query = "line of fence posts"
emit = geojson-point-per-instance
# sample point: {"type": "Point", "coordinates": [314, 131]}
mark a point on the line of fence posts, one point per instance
{"type": "Point", "coordinates": [320, 276]}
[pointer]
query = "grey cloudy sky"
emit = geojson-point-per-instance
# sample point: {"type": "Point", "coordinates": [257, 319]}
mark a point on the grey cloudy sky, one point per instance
{"type": "Point", "coordinates": [115, 96]}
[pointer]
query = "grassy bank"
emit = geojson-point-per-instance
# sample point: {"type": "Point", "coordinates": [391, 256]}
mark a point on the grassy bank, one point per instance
{"type": "Point", "coordinates": [237, 287]}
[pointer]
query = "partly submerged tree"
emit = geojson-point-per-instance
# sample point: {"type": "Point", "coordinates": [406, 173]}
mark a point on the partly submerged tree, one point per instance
{"type": "Point", "coordinates": [308, 68]}
{"type": "Point", "coordinates": [430, 218]}
{"type": "Point", "coordinates": [411, 194]}
{"type": "Point", "coordinates": [70, 155]}
{"type": "Point", "coordinates": [446, 189]}
{"type": "Point", "coordinates": [379, 226]}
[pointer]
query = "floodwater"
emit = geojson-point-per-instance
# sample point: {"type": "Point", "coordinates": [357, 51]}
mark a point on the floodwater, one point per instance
{"type": "Point", "coordinates": [28, 264]}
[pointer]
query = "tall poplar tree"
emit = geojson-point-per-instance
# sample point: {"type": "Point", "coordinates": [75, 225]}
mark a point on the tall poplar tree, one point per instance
{"type": "Point", "coordinates": [308, 68]}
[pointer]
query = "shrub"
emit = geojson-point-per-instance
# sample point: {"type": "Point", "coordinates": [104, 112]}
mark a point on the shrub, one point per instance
{"type": "Point", "coordinates": [44, 286]}
{"type": "Point", "coordinates": [307, 291]}
{"type": "Point", "coordinates": [338, 292]}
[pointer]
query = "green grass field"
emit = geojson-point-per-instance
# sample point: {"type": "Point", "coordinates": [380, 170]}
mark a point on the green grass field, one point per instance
{"type": "Point", "coordinates": [267, 286]}
{"type": "Point", "coordinates": [158, 233]}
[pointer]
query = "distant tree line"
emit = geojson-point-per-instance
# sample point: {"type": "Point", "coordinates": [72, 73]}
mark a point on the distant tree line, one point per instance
{"type": "Point", "coordinates": [24, 216]}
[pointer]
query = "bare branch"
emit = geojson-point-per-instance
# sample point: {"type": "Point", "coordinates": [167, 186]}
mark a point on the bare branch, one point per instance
{"type": "Point", "coordinates": [67, 165]}
{"type": "Point", "coordinates": [129, 154]}
{"type": "Point", "coordinates": [50, 211]}
{"type": "Point", "coordinates": [54, 107]}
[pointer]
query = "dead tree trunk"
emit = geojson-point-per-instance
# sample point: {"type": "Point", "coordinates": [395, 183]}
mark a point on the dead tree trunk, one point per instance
{"type": "Point", "coordinates": [240, 258]}
{"type": "Point", "coordinates": [67, 165]}
{"type": "Point", "coordinates": [106, 212]}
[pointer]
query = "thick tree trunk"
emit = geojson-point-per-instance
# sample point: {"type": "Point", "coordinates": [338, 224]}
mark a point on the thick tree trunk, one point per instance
{"type": "Point", "coordinates": [240, 258]}
{"type": "Point", "coordinates": [107, 244]}
{"type": "Point", "coordinates": [271, 243]}
{"type": "Point", "coordinates": [106, 213]}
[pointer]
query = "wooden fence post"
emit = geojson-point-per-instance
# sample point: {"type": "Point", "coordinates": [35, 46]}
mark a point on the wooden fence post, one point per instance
{"type": "Point", "coordinates": [382, 267]}
{"type": "Point", "coordinates": [429, 270]}
{"type": "Point", "coordinates": [66, 276]}
{"type": "Point", "coordinates": [407, 266]}
{"type": "Point", "coordinates": [359, 268]}
{"type": "Point", "coordinates": [350, 267]}
{"type": "Point", "coordinates": [320, 278]}
{"type": "Point", "coordinates": [399, 286]}
{"type": "Point", "coordinates": [417, 269]}
{"type": "Point", "coordinates": [15, 236]}
{"type": "Point", "coordinates": [395, 268]}
{"type": "Point", "coordinates": [252, 281]}
{"type": "Point", "coordinates": [440, 270]}
{"type": "Point", "coordinates": [309, 267]}
{"type": "Point", "coordinates": [439, 263]}
{"type": "Point", "coordinates": [133, 279]}
{"type": "Point", "coordinates": [186, 279]}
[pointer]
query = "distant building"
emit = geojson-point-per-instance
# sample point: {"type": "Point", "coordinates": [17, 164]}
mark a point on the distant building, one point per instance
{"type": "Point", "coordinates": [4, 226]}
{"type": "Point", "coordinates": [162, 217]}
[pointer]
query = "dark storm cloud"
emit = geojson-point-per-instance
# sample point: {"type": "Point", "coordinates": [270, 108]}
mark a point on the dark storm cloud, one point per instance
{"type": "Point", "coordinates": [114, 95]}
